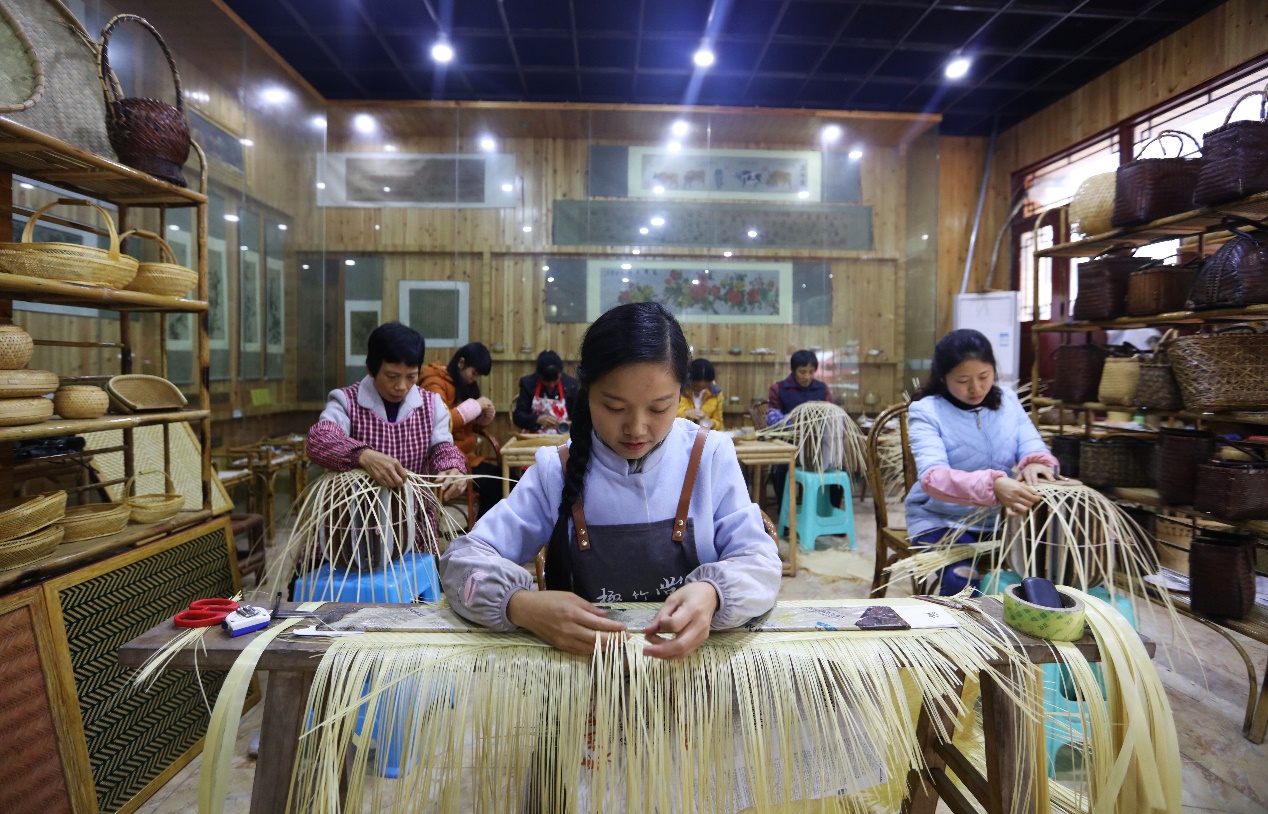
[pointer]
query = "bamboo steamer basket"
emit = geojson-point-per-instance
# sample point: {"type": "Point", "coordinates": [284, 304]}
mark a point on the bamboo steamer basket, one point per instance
{"type": "Point", "coordinates": [166, 278]}
{"type": "Point", "coordinates": [25, 550]}
{"type": "Point", "coordinates": [95, 520]}
{"type": "Point", "coordinates": [17, 384]}
{"type": "Point", "coordinates": [16, 347]}
{"type": "Point", "coordinates": [69, 262]}
{"type": "Point", "coordinates": [31, 515]}
{"type": "Point", "coordinates": [16, 412]}
{"type": "Point", "coordinates": [81, 401]}
{"type": "Point", "coordinates": [153, 508]}
{"type": "Point", "coordinates": [137, 392]}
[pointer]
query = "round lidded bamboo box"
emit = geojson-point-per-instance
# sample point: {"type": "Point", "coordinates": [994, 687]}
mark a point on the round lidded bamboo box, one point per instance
{"type": "Point", "coordinates": [16, 347]}
{"type": "Point", "coordinates": [81, 401]}
{"type": "Point", "coordinates": [25, 411]}
{"type": "Point", "coordinates": [16, 384]}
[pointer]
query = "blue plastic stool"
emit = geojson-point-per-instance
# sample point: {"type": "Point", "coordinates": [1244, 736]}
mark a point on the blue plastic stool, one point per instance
{"type": "Point", "coordinates": [1063, 715]}
{"type": "Point", "coordinates": [815, 514]}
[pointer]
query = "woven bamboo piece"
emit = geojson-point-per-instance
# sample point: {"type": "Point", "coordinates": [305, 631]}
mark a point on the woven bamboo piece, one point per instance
{"type": "Point", "coordinates": [26, 550]}
{"type": "Point", "coordinates": [26, 383]}
{"type": "Point", "coordinates": [81, 401]}
{"type": "Point", "coordinates": [185, 465]}
{"type": "Point", "coordinates": [1225, 371]}
{"type": "Point", "coordinates": [826, 437]}
{"type": "Point", "coordinates": [138, 392]}
{"type": "Point", "coordinates": [31, 515]}
{"type": "Point", "coordinates": [153, 508]}
{"type": "Point", "coordinates": [166, 278]}
{"type": "Point", "coordinates": [1093, 205]}
{"type": "Point", "coordinates": [17, 412]}
{"type": "Point", "coordinates": [93, 520]}
{"type": "Point", "coordinates": [21, 72]}
{"type": "Point", "coordinates": [69, 262]}
{"type": "Point", "coordinates": [16, 347]}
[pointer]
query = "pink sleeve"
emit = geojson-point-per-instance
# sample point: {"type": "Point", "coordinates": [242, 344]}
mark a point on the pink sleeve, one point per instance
{"type": "Point", "coordinates": [1045, 458]}
{"type": "Point", "coordinates": [469, 410]}
{"type": "Point", "coordinates": [957, 486]}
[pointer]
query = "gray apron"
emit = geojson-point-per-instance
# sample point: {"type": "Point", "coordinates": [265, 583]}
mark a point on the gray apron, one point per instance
{"type": "Point", "coordinates": [635, 562]}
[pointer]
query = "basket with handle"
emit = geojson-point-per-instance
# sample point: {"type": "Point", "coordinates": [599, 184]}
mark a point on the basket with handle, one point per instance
{"type": "Point", "coordinates": [1159, 289]}
{"type": "Point", "coordinates": [1237, 274]}
{"type": "Point", "coordinates": [1235, 156]}
{"type": "Point", "coordinates": [1119, 379]}
{"type": "Point", "coordinates": [1147, 189]}
{"type": "Point", "coordinates": [26, 550]}
{"type": "Point", "coordinates": [167, 278]}
{"type": "Point", "coordinates": [31, 514]}
{"type": "Point", "coordinates": [16, 347]}
{"type": "Point", "coordinates": [17, 412]}
{"type": "Point", "coordinates": [1092, 207]}
{"type": "Point", "coordinates": [153, 508]}
{"type": "Point", "coordinates": [1178, 454]}
{"type": "Point", "coordinates": [1233, 490]}
{"type": "Point", "coordinates": [1157, 388]}
{"type": "Point", "coordinates": [93, 520]}
{"type": "Point", "coordinates": [1222, 573]}
{"type": "Point", "coordinates": [1224, 370]}
{"type": "Point", "coordinates": [1078, 373]}
{"type": "Point", "coordinates": [147, 134]}
{"type": "Point", "coordinates": [1103, 286]}
{"type": "Point", "coordinates": [69, 262]}
{"type": "Point", "coordinates": [1116, 460]}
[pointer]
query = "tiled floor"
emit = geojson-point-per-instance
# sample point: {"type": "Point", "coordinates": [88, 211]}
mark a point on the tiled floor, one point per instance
{"type": "Point", "coordinates": [1222, 771]}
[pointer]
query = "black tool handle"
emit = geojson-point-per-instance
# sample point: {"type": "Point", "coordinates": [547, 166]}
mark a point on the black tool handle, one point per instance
{"type": "Point", "coordinates": [1041, 592]}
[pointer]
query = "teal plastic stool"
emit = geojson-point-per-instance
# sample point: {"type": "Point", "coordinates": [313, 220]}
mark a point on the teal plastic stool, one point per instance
{"type": "Point", "coordinates": [815, 514]}
{"type": "Point", "coordinates": [1063, 715]}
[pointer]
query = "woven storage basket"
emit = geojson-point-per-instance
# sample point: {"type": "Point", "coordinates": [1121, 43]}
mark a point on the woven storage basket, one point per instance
{"type": "Point", "coordinates": [137, 392]}
{"type": "Point", "coordinates": [1232, 490]}
{"type": "Point", "coordinates": [1116, 461]}
{"type": "Point", "coordinates": [24, 550]}
{"type": "Point", "coordinates": [1065, 448]}
{"type": "Point", "coordinates": [153, 508]}
{"type": "Point", "coordinates": [31, 515]}
{"type": "Point", "coordinates": [95, 520]}
{"type": "Point", "coordinates": [1119, 379]}
{"type": "Point", "coordinates": [69, 262]}
{"type": "Point", "coordinates": [1157, 388]}
{"type": "Point", "coordinates": [16, 412]}
{"type": "Point", "coordinates": [1174, 538]}
{"type": "Point", "coordinates": [1078, 372]}
{"type": "Point", "coordinates": [81, 401]}
{"type": "Point", "coordinates": [1237, 274]}
{"type": "Point", "coordinates": [16, 384]}
{"type": "Point", "coordinates": [1235, 157]}
{"type": "Point", "coordinates": [1103, 286]}
{"type": "Point", "coordinates": [1178, 454]}
{"type": "Point", "coordinates": [16, 347]}
{"type": "Point", "coordinates": [1092, 206]}
{"type": "Point", "coordinates": [1147, 189]}
{"type": "Point", "coordinates": [1222, 574]}
{"type": "Point", "coordinates": [166, 278]}
{"type": "Point", "coordinates": [1221, 371]}
{"type": "Point", "coordinates": [1159, 289]}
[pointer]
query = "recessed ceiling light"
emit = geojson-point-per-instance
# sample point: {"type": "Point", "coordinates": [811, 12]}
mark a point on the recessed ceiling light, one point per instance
{"type": "Point", "coordinates": [171, 227]}
{"type": "Point", "coordinates": [658, 189]}
{"type": "Point", "coordinates": [282, 227]}
{"type": "Point", "coordinates": [674, 147]}
{"type": "Point", "coordinates": [387, 189]}
{"type": "Point", "coordinates": [550, 279]}
{"type": "Point", "coordinates": [377, 227]}
{"type": "Point", "coordinates": [830, 133]}
{"type": "Point", "coordinates": [25, 185]}
{"type": "Point", "coordinates": [246, 142]}
{"type": "Point", "coordinates": [642, 230]}
{"type": "Point", "coordinates": [507, 187]}
{"type": "Point", "coordinates": [319, 122]}
{"type": "Point", "coordinates": [856, 154]}
{"type": "Point", "coordinates": [231, 217]}
{"type": "Point", "coordinates": [680, 128]}
{"type": "Point", "coordinates": [924, 237]}
{"type": "Point", "coordinates": [625, 279]}
{"type": "Point", "coordinates": [321, 184]}
{"type": "Point", "coordinates": [488, 144]}
{"type": "Point", "coordinates": [803, 194]}
{"type": "Point", "coordinates": [637, 251]}
{"type": "Point", "coordinates": [350, 262]}
{"type": "Point", "coordinates": [304, 266]}
{"type": "Point", "coordinates": [545, 268]}
{"type": "Point", "coordinates": [243, 248]}
{"type": "Point", "coordinates": [703, 58]}
{"type": "Point", "coordinates": [958, 67]}
{"type": "Point", "coordinates": [442, 51]}
{"type": "Point", "coordinates": [695, 282]}
{"type": "Point", "coordinates": [752, 233]}
{"type": "Point", "coordinates": [527, 229]}
{"type": "Point", "coordinates": [364, 123]}
{"type": "Point", "coordinates": [626, 266]}
{"type": "Point", "coordinates": [657, 221]}
{"type": "Point", "coordinates": [726, 254]}
{"type": "Point", "coordinates": [276, 95]}
{"type": "Point", "coordinates": [389, 148]}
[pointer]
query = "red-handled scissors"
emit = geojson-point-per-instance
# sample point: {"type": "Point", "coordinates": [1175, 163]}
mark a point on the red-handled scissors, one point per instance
{"type": "Point", "coordinates": [205, 612]}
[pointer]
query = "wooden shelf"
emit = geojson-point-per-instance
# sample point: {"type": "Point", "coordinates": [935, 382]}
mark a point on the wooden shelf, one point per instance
{"type": "Point", "coordinates": [1185, 224]}
{"type": "Point", "coordinates": [33, 289]}
{"type": "Point", "coordinates": [1149, 497]}
{"type": "Point", "coordinates": [59, 426]}
{"type": "Point", "coordinates": [28, 152]}
{"type": "Point", "coordinates": [1237, 417]}
{"type": "Point", "coordinates": [1246, 314]}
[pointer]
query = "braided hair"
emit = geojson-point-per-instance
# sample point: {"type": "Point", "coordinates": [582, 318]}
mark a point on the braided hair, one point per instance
{"type": "Point", "coordinates": [626, 335]}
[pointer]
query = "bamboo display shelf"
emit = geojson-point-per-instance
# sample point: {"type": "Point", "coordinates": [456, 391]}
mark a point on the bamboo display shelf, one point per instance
{"type": "Point", "coordinates": [48, 429]}
{"type": "Point", "coordinates": [1246, 314]}
{"type": "Point", "coordinates": [1093, 406]}
{"type": "Point", "coordinates": [15, 286]}
{"type": "Point", "coordinates": [1149, 497]}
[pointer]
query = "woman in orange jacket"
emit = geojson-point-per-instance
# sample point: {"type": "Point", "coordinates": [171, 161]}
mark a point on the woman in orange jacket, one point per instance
{"type": "Point", "coordinates": [458, 385]}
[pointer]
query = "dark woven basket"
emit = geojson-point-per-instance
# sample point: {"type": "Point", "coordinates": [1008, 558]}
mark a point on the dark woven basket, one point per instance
{"type": "Point", "coordinates": [1103, 286]}
{"type": "Point", "coordinates": [1232, 490]}
{"type": "Point", "coordinates": [1158, 289]}
{"type": "Point", "coordinates": [1079, 369]}
{"type": "Point", "coordinates": [1151, 188]}
{"type": "Point", "coordinates": [1222, 574]}
{"type": "Point", "coordinates": [1116, 461]}
{"type": "Point", "coordinates": [1237, 274]}
{"type": "Point", "coordinates": [1221, 371]}
{"type": "Point", "coordinates": [147, 134]}
{"type": "Point", "coordinates": [1065, 448]}
{"type": "Point", "coordinates": [1178, 454]}
{"type": "Point", "coordinates": [1235, 157]}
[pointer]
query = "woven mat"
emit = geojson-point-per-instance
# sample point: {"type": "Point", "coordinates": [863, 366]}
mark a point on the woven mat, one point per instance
{"type": "Point", "coordinates": [147, 452]}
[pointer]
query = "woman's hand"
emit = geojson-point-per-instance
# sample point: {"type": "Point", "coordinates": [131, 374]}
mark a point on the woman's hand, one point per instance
{"type": "Point", "coordinates": [487, 411]}
{"type": "Point", "coordinates": [384, 469]}
{"type": "Point", "coordinates": [686, 614]}
{"type": "Point", "coordinates": [548, 421]}
{"type": "Point", "coordinates": [1034, 472]}
{"type": "Point", "coordinates": [452, 484]}
{"type": "Point", "coordinates": [694, 415]}
{"type": "Point", "coordinates": [1015, 496]}
{"type": "Point", "coordinates": [562, 619]}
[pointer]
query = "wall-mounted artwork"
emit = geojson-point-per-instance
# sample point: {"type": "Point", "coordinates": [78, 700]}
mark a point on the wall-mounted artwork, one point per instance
{"type": "Point", "coordinates": [217, 142]}
{"type": "Point", "coordinates": [360, 318]}
{"type": "Point", "coordinates": [416, 180]}
{"type": "Point", "coordinates": [437, 309]}
{"type": "Point", "coordinates": [217, 294]}
{"type": "Point", "coordinates": [249, 313]}
{"type": "Point", "coordinates": [766, 175]}
{"type": "Point", "coordinates": [695, 290]}
{"type": "Point", "coordinates": [274, 318]}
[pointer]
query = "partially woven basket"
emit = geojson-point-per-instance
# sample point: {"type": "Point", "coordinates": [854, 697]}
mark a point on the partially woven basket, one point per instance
{"type": "Point", "coordinates": [31, 515]}
{"type": "Point", "coordinates": [17, 412]}
{"type": "Point", "coordinates": [1093, 205]}
{"type": "Point", "coordinates": [16, 347]}
{"type": "Point", "coordinates": [95, 520]}
{"type": "Point", "coordinates": [138, 392]}
{"type": "Point", "coordinates": [26, 550]}
{"type": "Point", "coordinates": [1225, 371]}
{"type": "Point", "coordinates": [153, 508]}
{"type": "Point", "coordinates": [166, 278]}
{"type": "Point", "coordinates": [69, 262]}
{"type": "Point", "coordinates": [16, 384]}
{"type": "Point", "coordinates": [81, 401]}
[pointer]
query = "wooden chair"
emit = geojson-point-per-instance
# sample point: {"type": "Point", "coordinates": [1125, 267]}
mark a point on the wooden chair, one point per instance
{"type": "Point", "coordinates": [891, 542]}
{"type": "Point", "coordinates": [250, 529]}
{"type": "Point", "coordinates": [487, 446]}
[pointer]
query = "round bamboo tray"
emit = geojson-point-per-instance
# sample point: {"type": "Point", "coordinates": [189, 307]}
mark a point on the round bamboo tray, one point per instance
{"type": "Point", "coordinates": [69, 262]}
{"type": "Point", "coordinates": [24, 550]}
{"type": "Point", "coordinates": [16, 412]}
{"type": "Point", "coordinates": [16, 347]}
{"type": "Point", "coordinates": [81, 401]}
{"type": "Point", "coordinates": [153, 508]}
{"type": "Point", "coordinates": [166, 278]}
{"type": "Point", "coordinates": [94, 520]}
{"type": "Point", "coordinates": [16, 384]}
{"type": "Point", "coordinates": [137, 392]}
{"type": "Point", "coordinates": [31, 515]}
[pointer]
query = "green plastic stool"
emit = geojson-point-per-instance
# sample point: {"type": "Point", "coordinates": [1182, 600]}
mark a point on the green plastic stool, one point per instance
{"type": "Point", "coordinates": [815, 513]}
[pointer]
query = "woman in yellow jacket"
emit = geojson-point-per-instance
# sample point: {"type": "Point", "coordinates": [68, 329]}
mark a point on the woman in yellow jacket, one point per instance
{"type": "Point", "coordinates": [701, 402]}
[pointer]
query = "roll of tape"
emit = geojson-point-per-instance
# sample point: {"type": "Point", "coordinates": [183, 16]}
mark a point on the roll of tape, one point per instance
{"type": "Point", "coordinates": [1056, 624]}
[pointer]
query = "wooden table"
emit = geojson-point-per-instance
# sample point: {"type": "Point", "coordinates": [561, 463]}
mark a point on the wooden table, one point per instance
{"type": "Point", "coordinates": [291, 663]}
{"type": "Point", "coordinates": [759, 455]}
{"type": "Point", "coordinates": [266, 460]}
{"type": "Point", "coordinates": [521, 450]}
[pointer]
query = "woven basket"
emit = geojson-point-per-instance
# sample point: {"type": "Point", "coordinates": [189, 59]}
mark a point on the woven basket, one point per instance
{"type": "Point", "coordinates": [1116, 461]}
{"type": "Point", "coordinates": [166, 278]}
{"type": "Point", "coordinates": [1092, 206]}
{"type": "Point", "coordinates": [1078, 372]}
{"type": "Point", "coordinates": [1157, 388]}
{"type": "Point", "coordinates": [1232, 490]}
{"type": "Point", "coordinates": [1119, 379]}
{"type": "Point", "coordinates": [1221, 371]}
{"type": "Point", "coordinates": [95, 520]}
{"type": "Point", "coordinates": [153, 508]}
{"type": "Point", "coordinates": [31, 515]}
{"type": "Point", "coordinates": [1065, 448]}
{"type": "Point", "coordinates": [16, 412]}
{"type": "Point", "coordinates": [137, 392]}
{"type": "Point", "coordinates": [1222, 574]}
{"type": "Point", "coordinates": [1174, 538]}
{"type": "Point", "coordinates": [16, 384]}
{"type": "Point", "coordinates": [1147, 189]}
{"type": "Point", "coordinates": [1178, 454]}
{"type": "Point", "coordinates": [1237, 274]}
{"type": "Point", "coordinates": [69, 262]}
{"type": "Point", "coordinates": [21, 73]}
{"type": "Point", "coordinates": [26, 550]}
{"type": "Point", "coordinates": [81, 401]}
{"type": "Point", "coordinates": [16, 347]}
{"type": "Point", "coordinates": [1103, 286]}
{"type": "Point", "coordinates": [1235, 157]}
{"type": "Point", "coordinates": [1159, 289]}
